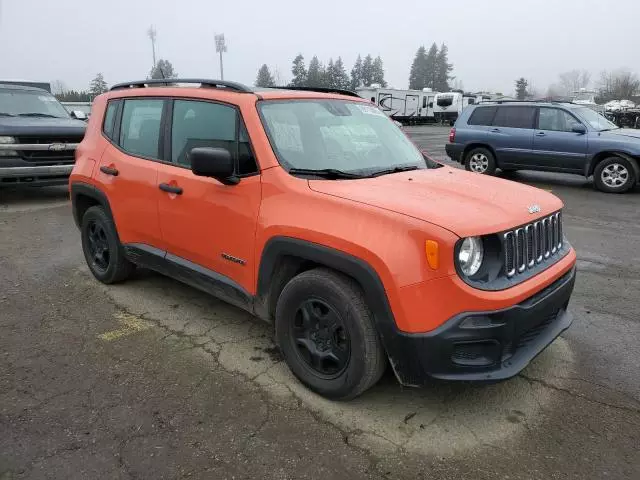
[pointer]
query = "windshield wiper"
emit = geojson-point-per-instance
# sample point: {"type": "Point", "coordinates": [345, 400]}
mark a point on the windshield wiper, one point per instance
{"type": "Point", "coordinates": [4, 114]}
{"type": "Point", "coordinates": [329, 173]}
{"type": "Point", "coordinates": [387, 171]}
{"type": "Point", "coordinates": [37, 114]}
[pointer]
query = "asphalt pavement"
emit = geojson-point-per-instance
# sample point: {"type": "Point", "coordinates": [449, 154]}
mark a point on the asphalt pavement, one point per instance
{"type": "Point", "coordinates": [152, 379]}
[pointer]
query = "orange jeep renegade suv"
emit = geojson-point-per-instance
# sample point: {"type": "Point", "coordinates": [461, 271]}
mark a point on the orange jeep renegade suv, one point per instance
{"type": "Point", "coordinates": [313, 211]}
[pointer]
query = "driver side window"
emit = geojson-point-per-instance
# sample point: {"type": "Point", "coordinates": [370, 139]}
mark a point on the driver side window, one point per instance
{"type": "Point", "coordinates": [207, 124]}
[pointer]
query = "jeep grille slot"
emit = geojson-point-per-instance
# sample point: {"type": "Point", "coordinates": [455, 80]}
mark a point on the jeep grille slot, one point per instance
{"type": "Point", "coordinates": [527, 246]}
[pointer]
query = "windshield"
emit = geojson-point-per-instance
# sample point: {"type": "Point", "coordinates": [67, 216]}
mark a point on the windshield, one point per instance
{"type": "Point", "coordinates": [593, 118]}
{"type": "Point", "coordinates": [335, 134]}
{"type": "Point", "coordinates": [445, 101]}
{"type": "Point", "coordinates": [30, 103]}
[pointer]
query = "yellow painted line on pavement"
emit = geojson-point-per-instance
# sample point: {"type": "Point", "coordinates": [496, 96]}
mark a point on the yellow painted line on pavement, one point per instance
{"type": "Point", "coordinates": [130, 325]}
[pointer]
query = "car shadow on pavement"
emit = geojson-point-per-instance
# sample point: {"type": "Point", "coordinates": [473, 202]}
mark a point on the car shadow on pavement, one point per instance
{"type": "Point", "coordinates": [440, 418]}
{"type": "Point", "coordinates": [34, 198]}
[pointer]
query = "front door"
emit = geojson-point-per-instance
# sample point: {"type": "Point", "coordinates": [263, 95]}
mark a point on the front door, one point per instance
{"type": "Point", "coordinates": [129, 168]}
{"type": "Point", "coordinates": [203, 222]}
{"type": "Point", "coordinates": [555, 145]}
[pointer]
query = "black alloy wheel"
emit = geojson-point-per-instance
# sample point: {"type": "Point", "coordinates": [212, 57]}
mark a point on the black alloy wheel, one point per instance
{"type": "Point", "coordinates": [321, 338]}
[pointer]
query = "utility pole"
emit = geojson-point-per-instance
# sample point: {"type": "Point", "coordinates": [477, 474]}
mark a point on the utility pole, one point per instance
{"type": "Point", "coordinates": [151, 33]}
{"type": "Point", "coordinates": [221, 47]}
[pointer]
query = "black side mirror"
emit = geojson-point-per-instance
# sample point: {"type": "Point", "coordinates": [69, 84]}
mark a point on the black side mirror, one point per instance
{"type": "Point", "coordinates": [213, 162]}
{"type": "Point", "coordinates": [578, 128]}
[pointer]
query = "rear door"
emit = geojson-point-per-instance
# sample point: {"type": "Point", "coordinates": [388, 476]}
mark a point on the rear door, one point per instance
{"type": "Point", "coordinates": [129, 168]}
{"type": "Point", "coordinates": [511, 135]}
{"type": "Point", "coordinates": [555, 145]}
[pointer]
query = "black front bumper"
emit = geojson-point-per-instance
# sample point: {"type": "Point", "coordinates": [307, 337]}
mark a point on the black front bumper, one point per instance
{"type": "Point", "coordinates": [485, 346]}
{"type": "Point", "coordinates": [454, 151]}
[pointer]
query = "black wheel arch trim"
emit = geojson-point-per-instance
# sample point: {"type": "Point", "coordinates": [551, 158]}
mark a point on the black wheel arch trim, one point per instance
{"type": "Point", "coordinates": [88, 190]}
{"type": "Point", "coordinates": [361, 271]}
{"type": "Point", "coordinates": [590, 168]}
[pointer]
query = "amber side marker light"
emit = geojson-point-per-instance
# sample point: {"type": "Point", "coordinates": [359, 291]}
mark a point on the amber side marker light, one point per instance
{"type": "Point", "coordinates": [433, 258]}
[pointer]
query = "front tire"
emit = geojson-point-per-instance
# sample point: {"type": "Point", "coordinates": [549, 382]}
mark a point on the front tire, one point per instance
{"type": "Point", "coordinates": [327, 335]}
{"type": "Point", "coordinates": [480, 160]}
{"type": "Point", "coordinates": [102, 249]}
{"type": "Point", "coordinates": [614, 175]}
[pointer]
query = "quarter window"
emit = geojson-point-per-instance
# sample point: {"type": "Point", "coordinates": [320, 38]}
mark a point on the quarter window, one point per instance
{"type": "Point", "coordinates": [109, 117]}
{"type": "Point", "coordinates": [206, 124]}
{"type": "Point", "coordinates": [556, 120]}
{"type": "Point", "coordinates": [140, 130]}
{"type": "Point", "coordinates": [514, 117]}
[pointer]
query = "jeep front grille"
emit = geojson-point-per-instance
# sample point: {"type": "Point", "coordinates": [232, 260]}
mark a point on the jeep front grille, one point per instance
{"type": "Point", "coordinates": [532, 244]}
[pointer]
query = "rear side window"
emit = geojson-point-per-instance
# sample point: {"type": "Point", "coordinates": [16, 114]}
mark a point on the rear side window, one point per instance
{"type": "Point", "coordinates": [140, 129]}
{"type": "Point", "coordinates": [109, 117]}
{"type": "Point", "coordinates": [482, 116]}
{"type": "Point", "coordinates": [206, 124]}
{"type": "Point", "coordinates": [514, 117]}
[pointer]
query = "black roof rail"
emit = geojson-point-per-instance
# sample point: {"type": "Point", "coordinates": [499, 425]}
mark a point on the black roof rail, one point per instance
{"type": "Point", "coordinates": [339, 91]}
{"type": "Point", "coordinates": [203, 82]}
{"type": "Point", "coordinates": [542, 100]}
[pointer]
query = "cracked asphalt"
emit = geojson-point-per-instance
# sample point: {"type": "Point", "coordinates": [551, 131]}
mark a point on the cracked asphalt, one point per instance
{"type": "Point", "coordinates": [152, 379]}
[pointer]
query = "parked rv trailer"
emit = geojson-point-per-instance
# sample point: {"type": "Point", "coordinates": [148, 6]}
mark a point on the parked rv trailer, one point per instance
{"type": "Point", "coordinates": [405, 106]}
{"type": "Point", "coordinates": [448, 106]}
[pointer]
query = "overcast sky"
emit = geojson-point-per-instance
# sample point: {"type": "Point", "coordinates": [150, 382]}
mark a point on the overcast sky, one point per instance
{"type": "Point", "coordinates": [491, 42]}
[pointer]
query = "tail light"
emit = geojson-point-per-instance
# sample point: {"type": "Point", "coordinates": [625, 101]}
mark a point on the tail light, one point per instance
{"type": "Point", "coordinates": [452, 135]}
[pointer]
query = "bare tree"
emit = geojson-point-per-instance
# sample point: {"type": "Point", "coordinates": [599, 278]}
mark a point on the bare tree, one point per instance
{"type": "Point", "coordinates": [573, 81]}
{"type": "Point", "coordinates": [618, 85]}
{"type": "Point", "coordinates": [58, 87]}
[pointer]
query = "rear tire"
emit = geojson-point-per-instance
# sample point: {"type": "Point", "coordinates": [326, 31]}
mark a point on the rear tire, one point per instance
{"type": "Point", "coordinates": [327, 335]}
{"type": "Point", "coordinates": [480, 160]}
{"type": "Point", "coordinates": [102, 249]}
{"type": "Point", "coordinates": [614, 175]}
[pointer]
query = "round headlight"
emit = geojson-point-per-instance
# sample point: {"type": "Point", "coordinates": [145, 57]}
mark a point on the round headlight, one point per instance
{"type": "Point", "coordinates": [470, 256]}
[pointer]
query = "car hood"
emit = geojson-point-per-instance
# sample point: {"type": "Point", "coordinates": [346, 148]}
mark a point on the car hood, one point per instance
{"type": "Point", "coordinates": [621, 132]}
{"type": "Point", "coordinates": [32, 126]}
{"type": "Point", "coordinates": [464, 203]}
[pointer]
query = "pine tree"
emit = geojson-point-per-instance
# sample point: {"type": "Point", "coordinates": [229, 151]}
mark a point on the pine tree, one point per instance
{"type": "Point", "coordinates": [163, 69]}
{"type": "Point", "coordinates": [521, 88]}
{"type": "Point", "coordinates": [431, 69]}
{"type": "Point", "coordinates": [443, 70]}
{"type": "Point", "coordinates": [356, 74]}
{"type": "Point", "coordinates": [417, 75]}
{"type": "Point", "coordinates": [98, 85]}
{"type": "Point", "coordinates": [315, 74]}
{"type": "Point", "coordinates": [340, 75]}
{"type": "Point", "coordinates": [264, 78]}
{"type": "Point", "coordinates": [329, 77]}
{"type": "Point", "coordinates": [367, 71]}
{"type": "Point", "coordinates": [378, 72]}
{"type": "Point", "coordinates": [299, 72]}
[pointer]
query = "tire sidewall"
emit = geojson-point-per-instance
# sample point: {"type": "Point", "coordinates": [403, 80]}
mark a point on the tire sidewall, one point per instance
{"type": "Point", "coordinates": [97, 215]}
{"type": "Point", "coordinates": [597, 175]}
{"type": "Point", "coordinates": [290, 299]}
{"type": "Point", "coordinates": [491, 168]}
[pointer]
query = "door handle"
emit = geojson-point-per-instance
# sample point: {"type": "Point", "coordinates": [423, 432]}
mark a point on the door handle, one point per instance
{"type": "Point", "coordinates": [109, 171]}
{"type": "Point", "coordinates": [495, 130]}
{"type": "Point", "coordinates": [165, 187]}
{"type": "Point", "coordinates": [540, 134]}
